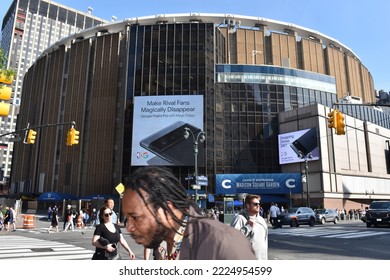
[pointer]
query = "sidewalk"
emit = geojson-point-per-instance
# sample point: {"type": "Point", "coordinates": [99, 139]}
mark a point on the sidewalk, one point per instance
{"type": "Point", "coordinates": [35, 222]}
{"type": "Point", "coordinates": [39, 221]}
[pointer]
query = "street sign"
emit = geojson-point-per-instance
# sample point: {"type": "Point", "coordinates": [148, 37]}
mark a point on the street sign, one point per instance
{"type": "Point", "coordinates": [202, 183]}
{"type": "Point", "coordinates": [120, 188]}
{"type": "Point", "coordinates": [202, 180]}
{"type": "Point", "coordinates": [196, 187]}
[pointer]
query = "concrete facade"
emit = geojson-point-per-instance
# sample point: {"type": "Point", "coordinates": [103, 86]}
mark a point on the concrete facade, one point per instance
{"type": "Point", "coordinates": [353, 169]}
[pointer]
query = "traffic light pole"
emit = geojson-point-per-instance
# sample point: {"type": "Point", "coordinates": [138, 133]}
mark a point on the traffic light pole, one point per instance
{"type": "Point", "coordinates": [306, 159]}
{"type": "Point", "coordinates": [39, 126]}
{"type": "Point", "coordinates": [307, 181]}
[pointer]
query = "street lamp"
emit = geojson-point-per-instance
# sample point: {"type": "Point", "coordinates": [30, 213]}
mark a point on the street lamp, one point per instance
{"type": "Point", "coordinates": [254, 52]}
{"type": "Point", "coordinates": [306, 159]}
{"type": "Point", "coordinates": [199, 137]}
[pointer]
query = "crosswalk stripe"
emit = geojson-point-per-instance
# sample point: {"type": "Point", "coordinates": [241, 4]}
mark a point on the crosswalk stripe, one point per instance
{"type": "Point", "coordinates": [32, 248]}
{"type": "Point", "coordinates": [357, 234]}
{"type": "Point", "coordinates": [318, 233]}
{"type": "Point", "coordinates": [326, 233]}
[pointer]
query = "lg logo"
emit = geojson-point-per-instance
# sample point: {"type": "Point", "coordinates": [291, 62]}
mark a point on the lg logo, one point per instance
{"type": "Point", "coordinates": [226, 184]}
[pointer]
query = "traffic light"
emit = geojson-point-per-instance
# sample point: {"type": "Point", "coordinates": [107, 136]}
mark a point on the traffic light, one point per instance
{"type": "Point", "coordinates": [69, 137]}
{"type": "Point", "coordinates": [31, 135]}
{"type": "Point", "coordinates": [340, 129]}
{"type": "Point", "coordinates": [332, 120]}
{"type": "Point", "coordinates": [76, 134]}
{"type": "Point", "coordinates": [72, 137]}
{"type": "Point", "coordinates": [5, 94]}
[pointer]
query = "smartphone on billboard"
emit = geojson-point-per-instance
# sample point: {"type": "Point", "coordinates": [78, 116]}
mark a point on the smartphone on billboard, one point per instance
{"type": "Point", "coordinates": [170, 145]}
{"type": "Point", "coordinates": [306, 143]}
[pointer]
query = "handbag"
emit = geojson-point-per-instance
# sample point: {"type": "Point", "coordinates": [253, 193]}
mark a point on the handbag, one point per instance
{"type": "Point", "coordinates": [99, 256]}
{"type": "Point", "coordinates": [105, 255]}
{"type": "Point", "coordinates": [112, 256]}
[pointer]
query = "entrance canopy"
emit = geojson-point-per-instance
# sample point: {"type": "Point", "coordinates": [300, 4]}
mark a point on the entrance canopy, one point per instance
{"type": "Point", "coordinates": [53, 196]}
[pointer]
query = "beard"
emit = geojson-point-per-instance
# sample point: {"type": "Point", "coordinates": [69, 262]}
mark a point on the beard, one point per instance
{"type": "Point", "coordinates": [159, 236]}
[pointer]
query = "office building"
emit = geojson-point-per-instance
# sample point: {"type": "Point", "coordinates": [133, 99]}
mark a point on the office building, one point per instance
{"type": "Point", "coordinates": [30, 27]}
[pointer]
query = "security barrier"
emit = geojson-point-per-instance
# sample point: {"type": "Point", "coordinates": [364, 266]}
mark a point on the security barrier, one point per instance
{"type": "Point", "coordinates": [29, 221]}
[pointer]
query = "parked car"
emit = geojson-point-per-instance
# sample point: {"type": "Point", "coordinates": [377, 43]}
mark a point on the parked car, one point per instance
{"type": "Point", "coordinates": [378, 213]}
{"type": "Point", "coordinates": [326, 215]}
{"type": "Point", "coordinates": [299, 216]}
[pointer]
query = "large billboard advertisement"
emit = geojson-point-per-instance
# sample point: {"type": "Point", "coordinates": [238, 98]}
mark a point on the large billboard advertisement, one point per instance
{"type": "Point", "coordinates": [266, 183]}
{"type": "Point", "coordinates": [294, 146]}
{"type": "Point", "coordinates": [159, 126]}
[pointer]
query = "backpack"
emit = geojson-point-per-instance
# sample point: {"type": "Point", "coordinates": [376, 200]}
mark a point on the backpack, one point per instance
{"type": "Point", "coordinates": [246, 230]}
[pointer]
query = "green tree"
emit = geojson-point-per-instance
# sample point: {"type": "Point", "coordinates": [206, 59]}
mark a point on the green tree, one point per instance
{"type": "Point", "coordinates": [3, 59]}
{"type": "Point", "coordinates": [3, 64]}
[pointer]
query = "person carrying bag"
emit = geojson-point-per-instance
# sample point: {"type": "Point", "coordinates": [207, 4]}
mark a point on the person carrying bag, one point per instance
{"type": "Point", "coordinates": [106, 238]}
{"type": "Point", "coordinates": [102, 254]}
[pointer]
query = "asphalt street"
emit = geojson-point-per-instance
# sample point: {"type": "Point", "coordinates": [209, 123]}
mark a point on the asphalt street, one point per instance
{"type": "Point", "coordinates": [79, 238]}
{"type": "Point", "coordinates": [36, 242]}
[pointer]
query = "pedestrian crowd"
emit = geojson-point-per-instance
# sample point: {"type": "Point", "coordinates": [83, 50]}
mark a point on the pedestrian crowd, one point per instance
{"type": "Point", "coordinates": [160, 216]}
{"type": "Point", "coordinates": [352, 214]}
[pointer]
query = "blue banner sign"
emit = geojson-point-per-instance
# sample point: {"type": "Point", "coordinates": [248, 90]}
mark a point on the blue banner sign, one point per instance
{"type": "Point", "coordinates": [275, 183]}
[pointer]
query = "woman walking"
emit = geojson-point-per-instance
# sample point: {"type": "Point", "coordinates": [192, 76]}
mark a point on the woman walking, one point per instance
{"type": "Point", "coordinates": [54, 221]}
{"type": "Point", "coordinates": [106, 238]}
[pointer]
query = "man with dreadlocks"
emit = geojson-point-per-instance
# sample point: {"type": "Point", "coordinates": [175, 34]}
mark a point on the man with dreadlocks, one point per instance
{"type": "Point", "coordinates": [157, 209]}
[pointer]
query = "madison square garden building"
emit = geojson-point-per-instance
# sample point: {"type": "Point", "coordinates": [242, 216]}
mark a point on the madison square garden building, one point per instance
{"type": "Point", "coordinates": [134, 88]}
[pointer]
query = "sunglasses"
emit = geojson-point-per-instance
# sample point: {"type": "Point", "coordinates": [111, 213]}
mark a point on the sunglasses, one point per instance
{"type": "Point", "coordinates": [256, 203]}
{"type": "Point", "coordinates": [107, 214]}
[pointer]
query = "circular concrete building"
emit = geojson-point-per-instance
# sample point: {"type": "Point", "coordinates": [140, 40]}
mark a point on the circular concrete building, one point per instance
{"type": "Point", "coordinates": [134, 87]}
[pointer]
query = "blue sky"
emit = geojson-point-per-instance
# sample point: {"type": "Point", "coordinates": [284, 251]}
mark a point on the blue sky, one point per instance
{"type": "Point", "coordinates": [363, 26]}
